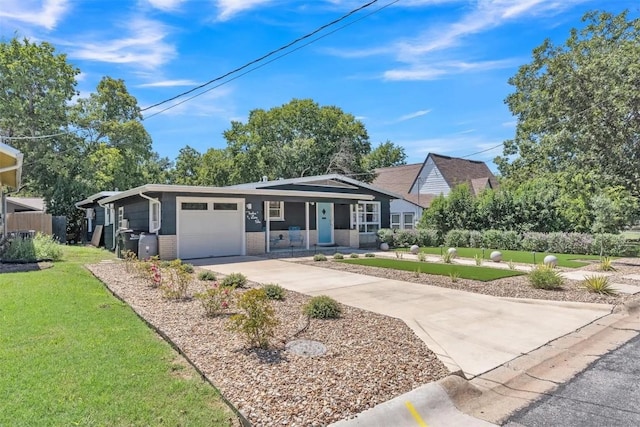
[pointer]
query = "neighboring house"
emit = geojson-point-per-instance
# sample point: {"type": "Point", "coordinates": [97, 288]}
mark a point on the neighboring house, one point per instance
{"type": "Point", "coordinates": [252, 219]}
{"type": "Point", "coordinates": [420, 183]}
{"type": "Point", "coordinates": [96, 215]}
{"type": "Point", "coordinates": [25, 204]}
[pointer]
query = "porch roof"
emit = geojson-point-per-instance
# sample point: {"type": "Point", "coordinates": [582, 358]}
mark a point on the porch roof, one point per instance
{"type": "Point", "coordinates": [10, 166]}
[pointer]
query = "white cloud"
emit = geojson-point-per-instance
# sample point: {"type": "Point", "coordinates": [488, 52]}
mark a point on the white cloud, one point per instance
{"type": "Point", "coordinates": [43, 14]}
{"type": "Point", "coordinates": [215, 103]}
{"type": "Point", "coordinates": [169, 83]}
{"type": "Point", "coordinates": [228, 8]}
{"type": "Point", "coordinates": [444, 68]}
{"type": "Point", "coordinates": [166, 5]}
{"type": "Point", "coordinates": [413, 115]}
{"type": "Point", "coordinates": [145, 46]}
{"type": "Point", "coordinates": [454, 145]}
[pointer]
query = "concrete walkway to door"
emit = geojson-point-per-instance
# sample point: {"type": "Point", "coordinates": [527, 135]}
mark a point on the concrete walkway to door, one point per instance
{"type": "Point", "coordinates": [471, 332]}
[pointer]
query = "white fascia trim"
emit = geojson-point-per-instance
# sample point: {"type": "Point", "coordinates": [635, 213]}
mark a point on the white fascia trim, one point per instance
{"type": "Point", "coordinates": [150, 188]}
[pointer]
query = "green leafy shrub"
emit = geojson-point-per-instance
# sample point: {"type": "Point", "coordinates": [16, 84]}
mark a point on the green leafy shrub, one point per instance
{"type": "Point", "coordinates": [599, 285]}
{"type": "Point", "coordinates": [492, 239]}
{"type": "Point", "coordinates": [234, 280]}
{"type": "Point", "coordinates": [338, 255]}
{"type": "Point", "coordinates": [475, 239]}
{"type": "Point", "coordinates": [457, 238]}
{"type": "Point", "coordinates": [319, 257]}
{"type": "Point", "coordinates": [608, 244]}
{"type": "Point", "coordinates": [274, 291]}
{"type": "Point", "coordinates": [188, 268]}
{"type": "Point", "coordinates": [354, 255]}
{"type": "Point", "coordinates": [216, 300]}
{"type": "Point", "coordinates": [176, 279]}
{"type": "Point", "coordinates": [545, 277]}
{"type": "Point", "coordinates": [386, 236]}
{"type": "Point", "coordinates": [322, 307]}
{"type": "Point", "coordinates": [428, 237]}
{"type": "Point", "coordinates": [40, 247]}
{"type": "Point", "coordinates": [207, 276]}
{"type": "Point", "coordinates": [369, 255]}
{"type": "Point", "coordinates": [257, 321]}
{"type": "Point", "coordinates": [405, 238]}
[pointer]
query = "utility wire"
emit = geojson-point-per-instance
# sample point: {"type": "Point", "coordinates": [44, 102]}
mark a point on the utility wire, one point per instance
{"type": "Point", "coordinates": [273, 52]}
{"type": "Point", "coordinates": [271, 60]}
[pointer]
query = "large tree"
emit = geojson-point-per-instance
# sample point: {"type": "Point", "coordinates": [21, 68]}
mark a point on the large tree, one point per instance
{"type": "Point", "coordinates": [385, 155]}
{"type": "Point", "coordinates": [578, 108]}
{"type": "Point", "coordinates": [297, 139]}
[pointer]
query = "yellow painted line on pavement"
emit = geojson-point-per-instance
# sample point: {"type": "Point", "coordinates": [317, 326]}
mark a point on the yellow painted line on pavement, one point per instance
{"type": "Point", "coordinates": [416, 415]}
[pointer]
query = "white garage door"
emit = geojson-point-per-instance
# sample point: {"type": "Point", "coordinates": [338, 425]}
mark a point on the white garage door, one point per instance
{"type": "Point", "coordinates": [209, 227]}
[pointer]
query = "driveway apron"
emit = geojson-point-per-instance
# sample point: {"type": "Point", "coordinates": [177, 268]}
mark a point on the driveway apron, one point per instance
{"type": "Point", "coordinates": [470, 332]}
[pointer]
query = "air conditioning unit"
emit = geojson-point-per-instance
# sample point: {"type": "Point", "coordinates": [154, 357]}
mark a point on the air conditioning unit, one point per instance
{"type": "Point", "coordinates": [124, 224]}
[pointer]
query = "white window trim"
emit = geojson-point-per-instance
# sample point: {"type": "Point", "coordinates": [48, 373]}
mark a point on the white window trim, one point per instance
{"type": "Point", "coordinates": [356, 220]}
{"type": "Point", "coordinates": [154, 226]}
{"type": "Point", "coordinates": [398, 224]}
{"type": "Point", "coordinates": [281, 208]}
{"type": "Point", "coordinates": [412, 223]}
{"type": "Point", "coordinates": [121, 218]}
{"type": "Point", "coordinates": [108, 214]}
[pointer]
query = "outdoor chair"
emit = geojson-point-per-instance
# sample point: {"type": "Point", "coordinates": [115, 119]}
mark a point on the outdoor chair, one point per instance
{"type": "Point", "coordinates": [295, 236]}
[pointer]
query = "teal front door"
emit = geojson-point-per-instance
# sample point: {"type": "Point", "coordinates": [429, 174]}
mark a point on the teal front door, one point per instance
{"type": "Point", "coordinates": [324, 220]}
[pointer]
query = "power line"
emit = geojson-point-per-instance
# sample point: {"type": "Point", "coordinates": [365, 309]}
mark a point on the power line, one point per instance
{"type": "Point", "coordinates": [16, 138]}
{"type": "Point", "coordinates": [273, 52]}
{"type": "Point", "coordinates": [270, 61]}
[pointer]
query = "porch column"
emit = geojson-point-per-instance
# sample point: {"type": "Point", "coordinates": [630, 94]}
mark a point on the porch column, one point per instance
{"type": "Point", "coordinates": [267, 227]}
{"type": "Point", "coordinates": [306, 222]}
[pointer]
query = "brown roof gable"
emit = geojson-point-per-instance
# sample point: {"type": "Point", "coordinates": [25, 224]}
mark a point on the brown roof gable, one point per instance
{"type": "Point", "coordinates": [400, 179]}
{"type": "Point", "coordinates": [457, 171]}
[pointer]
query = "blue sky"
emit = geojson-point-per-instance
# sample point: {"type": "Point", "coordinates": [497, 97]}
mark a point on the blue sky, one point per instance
{"type": "Point", "coordinates": [429, 75]}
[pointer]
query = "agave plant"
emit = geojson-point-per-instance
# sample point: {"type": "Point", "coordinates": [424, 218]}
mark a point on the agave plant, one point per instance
{"type": "Point", "coordinates": [599, 285]}
{"type": "Point", "coordinates": [606, 264]}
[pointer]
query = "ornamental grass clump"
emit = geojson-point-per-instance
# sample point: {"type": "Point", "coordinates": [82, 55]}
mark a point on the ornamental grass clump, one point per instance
{"type": "Point", "coordinates": [216, 300]}
{"type": "Point", "coordinates": [448, 257]}
{"type": "Point", "coordinates": [354, 255]}
{"type": "Point", "coordinates": [545, 277]}
{"type": "Point", "coordinates": [207, 276]}
{"type": "Point", "coordinates": [257, 320]}
{"type": "Point", "coordinates": [319, 257]}
{"type": "Point", "coordinates": [338, 255]}
{"type": "Point", "coordinates": [599, 285]}
{"type": "Point", "coordinates": [322, 307]}
{"type": "Point", "coordinates": [369, 255]}
{"type": "Point", "coordinates": [274, 291]}
{"type": "Point", "coordinates": [606, 264]}
{"type": "Point", "coordinates": [234, 280]}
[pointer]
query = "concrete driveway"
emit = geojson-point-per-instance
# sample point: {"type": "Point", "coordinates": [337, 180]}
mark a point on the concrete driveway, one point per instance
{"type": "Point", "coordinates": [471, 332]}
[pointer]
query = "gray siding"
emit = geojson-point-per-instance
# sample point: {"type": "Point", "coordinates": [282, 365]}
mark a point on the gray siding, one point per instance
{"type": "Point", "coordinates": [430, 181]}
{"type": "Point", "coordinates": [254, 217]}
{"type": "Point", "coordinates": [136, 210]}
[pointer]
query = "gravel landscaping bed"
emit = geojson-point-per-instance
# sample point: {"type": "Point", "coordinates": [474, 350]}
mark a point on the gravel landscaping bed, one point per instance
{"type": "Point", "coordinates": [512, 287]}
{"type": "Point", "coordinates": [369, 358]}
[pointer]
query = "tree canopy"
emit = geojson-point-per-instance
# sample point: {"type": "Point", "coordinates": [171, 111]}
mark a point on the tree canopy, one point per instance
{"type": "Point", "coordinates": [385, 155]}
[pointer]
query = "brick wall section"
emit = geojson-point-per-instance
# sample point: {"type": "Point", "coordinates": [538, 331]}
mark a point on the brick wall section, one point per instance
{"type": "Point", "coordinates": [349, 238]}
{"type": "Point", "coordinates": [255, 243]}
{"type": "Point", "coordinates": [168, 247]}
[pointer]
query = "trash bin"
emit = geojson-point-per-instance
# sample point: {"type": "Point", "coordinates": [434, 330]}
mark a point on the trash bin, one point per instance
{"type": "Point", "coordinates": [147, 246]}
{"type": "Point", "coordinates": [127, 241]}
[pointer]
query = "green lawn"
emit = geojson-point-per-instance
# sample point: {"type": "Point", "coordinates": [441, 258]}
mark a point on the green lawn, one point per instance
{"type": "Point", "coordinates": [72, 354]}
{"type": "Point", "coordinates": [483, 274]}
{"type": "Point", "coordinates": [564, 260]}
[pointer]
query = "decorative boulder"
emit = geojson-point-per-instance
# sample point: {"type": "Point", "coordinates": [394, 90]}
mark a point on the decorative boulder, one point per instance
{"type": "Point", "coordinates": [414, 249]}
{"type": "Point", "coordinates": [550, 260]}
{"type": "Point", "coordinates": [453, 252]}
{"type": "Point", "coordinates": [496, 256]}
{"type": "Point", "coordinates": [384, 246]}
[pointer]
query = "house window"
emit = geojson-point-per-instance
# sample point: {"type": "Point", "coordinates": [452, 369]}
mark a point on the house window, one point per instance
{"type": "Point", "coordinates": [395, 221]}
{"type": "Point", "coordinates": [154, 216]}
{"type": "Point", "coordinates": [276, 211]}
{"type": "Point", "coordinates": [225, 206]}
{"type": "Point", "coordinates": [193, 206]}
{"type": "Point", "coordinates": [108, 215]}
{"type": "Point", "coordinates": [367, 216]}
{"type": "Point", "coordinates": [121, 220]}
{"type": "Point", "coordinates": [407, 220]}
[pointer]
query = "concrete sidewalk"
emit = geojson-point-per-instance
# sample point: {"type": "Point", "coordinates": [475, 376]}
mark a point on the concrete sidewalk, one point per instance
{"type": "Point", "coordinates": [470, 332]}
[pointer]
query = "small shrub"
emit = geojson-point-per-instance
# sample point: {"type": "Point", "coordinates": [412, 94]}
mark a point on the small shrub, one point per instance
{"type": "Point", "coordinates": [598, 285]}
{"type": "Point", "coordinates": [234, 280]}
{"type": "Point", "coordinates": [454, 276]}
{"type": "Point", "coordinates": [216, 300]}
{"type": "Point", "coordinates": [428, 237]}
{"type": "Point", "coordinates": [188, 268]}
{"type": "Point", "coordinates": [178, 277]}
{"type": "Point", "coordinates": [399, 254]}
{"type": "Point", "coordinates": [338, 255]}
{"type": "Point", "coordinates": [606, 264]}
{"type": "Point", "coordinates": [319, 257]}
{"type": "Point", "coordinates": [545, 277]}
{"type": "Point", "coordinates": [207, 276]}
{"type": "Point", "coordinates": [39, 247]}
{"type": "Point", "coordinates": [322, 307]}
{"type": "Point", "coordinates": [130, 259]}
{"type": "Point", "coordinates": [274, 291]}
{"type": "Point", "coordinates": [475, 239]}
{"type": "Point", "coordinates": [457, 238]}
{"type": "Point", "coordinates": [422, 257]}
{"type": "Point", "coordinates": [386, 236]}
{"type": "Point", "coordinates": [354, 255]}
{"type": "Point", "coordinates": [369, 255]}
{"type": "Point", "coordinates": [257, 321]}
{"type": "Point", "coordinates": [447, 257]}
{"type": "Point", "coordinates": [511, 265]}
{"type": "Point", "coordinates": [478, 259]}
{"type": "Point", "coordinates": [405, 238]}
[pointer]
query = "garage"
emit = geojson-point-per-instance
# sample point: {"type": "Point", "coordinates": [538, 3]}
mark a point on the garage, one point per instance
{"type": "Point", "coordinates": [209, 227]}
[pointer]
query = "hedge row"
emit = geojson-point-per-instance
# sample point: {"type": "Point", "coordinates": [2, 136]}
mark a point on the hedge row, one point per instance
{"type": "Point", "coordinates": [565, 243]}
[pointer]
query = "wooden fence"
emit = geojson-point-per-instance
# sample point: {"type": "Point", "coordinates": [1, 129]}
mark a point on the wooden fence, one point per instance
{"type": "Point", "coordinates": [29, 221]}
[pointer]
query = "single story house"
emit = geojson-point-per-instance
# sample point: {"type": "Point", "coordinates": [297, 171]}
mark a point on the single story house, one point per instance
{"type": "Point", "coordinates": [419, 183]}
{"type": "Point", "coordinates": [251, 219]}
